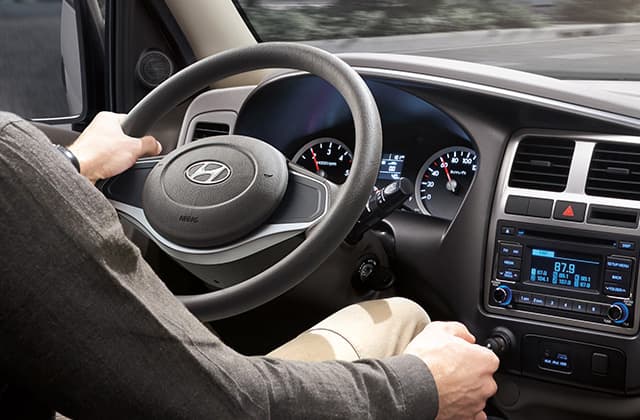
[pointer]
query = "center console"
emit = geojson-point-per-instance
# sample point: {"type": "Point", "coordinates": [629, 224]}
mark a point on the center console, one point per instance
{"type": "Point", "coordinates": [563, 256]}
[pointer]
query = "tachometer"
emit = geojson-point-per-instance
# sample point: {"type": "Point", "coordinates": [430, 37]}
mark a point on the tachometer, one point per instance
{"type": "Point", "coordinates": [444, 180]}
{"type": "Point", "coordinates": [327, 157]}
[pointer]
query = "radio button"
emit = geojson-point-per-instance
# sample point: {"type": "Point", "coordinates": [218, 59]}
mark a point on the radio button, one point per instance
{"type": "Point", "coordinates": [595, 309]}
{"type": "Point", "coordinates": [524, 298]}
{"type": "Point", "coordinates": [509, 263]}
{"type": "Point", "coordinates": [509, 275]}
{"type": "Point", "coordinates": [565, 304]}
{"type": "Point", "coordinates": [620, 263]}
{"type": "Point", "coordinates": [551, 302]}
{"type": "Point", "coordinates": [510, 250]}
{"type": "Point", "coordinates": [537, 300]}
{"type": "Point", "coordinates": [613, 289]}
{"type": "Point", "coordinates": [508, 230]}
{"type": "Point", "coordinates": [579, 307]}
{"type": "Point", "coordinates": [628, 245]}
{"type": "Point", "coordinates": [618, 277]}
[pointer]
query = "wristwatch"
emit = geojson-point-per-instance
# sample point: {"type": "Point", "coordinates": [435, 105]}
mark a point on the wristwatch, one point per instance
{"type": "Point", "coordinates": [67, 153]}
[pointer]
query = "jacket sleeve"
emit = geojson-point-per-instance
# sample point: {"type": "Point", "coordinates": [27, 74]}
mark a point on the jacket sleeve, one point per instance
{"type": "Point", "coordinates": [87, 324]}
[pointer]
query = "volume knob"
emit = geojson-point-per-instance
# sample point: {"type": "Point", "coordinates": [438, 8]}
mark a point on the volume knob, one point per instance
{"type": "Point", "coordinates": [618, 312]}
{"type": "Point", "coordinates": [502, 295]}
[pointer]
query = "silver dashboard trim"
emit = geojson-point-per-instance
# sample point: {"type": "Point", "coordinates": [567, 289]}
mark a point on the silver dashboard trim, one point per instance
{"type": "Point", "coordinates": [574, 192]}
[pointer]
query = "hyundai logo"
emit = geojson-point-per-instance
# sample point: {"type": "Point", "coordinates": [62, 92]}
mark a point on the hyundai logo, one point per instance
{"type": "Point", "coordinates": [208, 172]}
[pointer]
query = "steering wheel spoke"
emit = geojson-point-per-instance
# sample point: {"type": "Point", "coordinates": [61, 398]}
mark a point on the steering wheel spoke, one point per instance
{"type": "Point", "coordinates": [218, 202]}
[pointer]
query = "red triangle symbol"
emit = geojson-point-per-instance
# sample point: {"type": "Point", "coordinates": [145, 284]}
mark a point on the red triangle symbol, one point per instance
{"type": "Point", "coordinates": [568, 212]}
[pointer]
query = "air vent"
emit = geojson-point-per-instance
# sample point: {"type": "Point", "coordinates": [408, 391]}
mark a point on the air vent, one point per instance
{"type": "Point", "coordinates": [542, 163]}
{"type": "Point", "coordinates": [209, 129]}
{"type": "Point", "coordinates": [615, 171]}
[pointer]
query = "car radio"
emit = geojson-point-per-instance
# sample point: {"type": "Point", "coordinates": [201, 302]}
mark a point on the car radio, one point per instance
{"type": "Point", "coordinates": [570, 276]}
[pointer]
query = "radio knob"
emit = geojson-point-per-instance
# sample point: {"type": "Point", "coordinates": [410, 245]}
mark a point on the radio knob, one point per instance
{"type": "Point", "coordinates": [618, 312]}
{"type": "Point", "coordinates": [502, 295]}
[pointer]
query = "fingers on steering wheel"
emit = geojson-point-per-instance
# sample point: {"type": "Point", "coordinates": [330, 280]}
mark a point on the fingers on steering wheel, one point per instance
{"type": "Point", "coordinates": [149, 146]}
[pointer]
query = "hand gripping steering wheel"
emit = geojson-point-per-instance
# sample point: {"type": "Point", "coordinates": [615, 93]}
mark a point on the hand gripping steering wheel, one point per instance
{"type": "Point", "coordinates": [219, 201]}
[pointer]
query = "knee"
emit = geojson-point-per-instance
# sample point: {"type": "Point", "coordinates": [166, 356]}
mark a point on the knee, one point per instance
{"type": "Point", "coordinates": [406, 312]}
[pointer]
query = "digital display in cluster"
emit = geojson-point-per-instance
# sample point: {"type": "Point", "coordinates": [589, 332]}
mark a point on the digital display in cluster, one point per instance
{"type": "Point", "coordinates": [565, 269]}
{"type": "Point", "coordinates": [391, 167]}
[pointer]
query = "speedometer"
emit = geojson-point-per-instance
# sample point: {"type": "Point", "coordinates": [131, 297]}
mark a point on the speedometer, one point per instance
{"type": "Point", "coordinates": [444, 179]}
{"type": "Point", "coordinates": [328, 157]}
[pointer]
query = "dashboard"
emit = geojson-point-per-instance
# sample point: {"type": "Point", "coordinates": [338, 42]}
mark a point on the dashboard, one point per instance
{"type": "Point", "coordinates": [524, 215]}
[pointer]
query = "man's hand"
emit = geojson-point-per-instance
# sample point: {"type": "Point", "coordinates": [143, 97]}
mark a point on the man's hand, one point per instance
{"type": "Point", "coordinates": [463, 371]}
{"type": "Point", "coordinates": [103, 150]}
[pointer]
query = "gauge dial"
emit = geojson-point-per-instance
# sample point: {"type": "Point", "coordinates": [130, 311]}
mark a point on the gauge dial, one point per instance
{"type": "Point", "coordinates": [444, 179]}
{"type": "Point", "coordinates": [327, 157]}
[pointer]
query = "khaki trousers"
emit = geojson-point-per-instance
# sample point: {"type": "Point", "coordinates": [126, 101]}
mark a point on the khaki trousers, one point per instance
{"type": "Point", "coordinates": [373, 329]}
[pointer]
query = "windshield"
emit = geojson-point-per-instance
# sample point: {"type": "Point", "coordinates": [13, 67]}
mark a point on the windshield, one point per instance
{"type": "Point", "coordinates": [572, 39]}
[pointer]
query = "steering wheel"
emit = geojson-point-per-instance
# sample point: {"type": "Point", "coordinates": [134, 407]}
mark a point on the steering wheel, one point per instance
{"type": "Point", "coordinates": [218, 202]}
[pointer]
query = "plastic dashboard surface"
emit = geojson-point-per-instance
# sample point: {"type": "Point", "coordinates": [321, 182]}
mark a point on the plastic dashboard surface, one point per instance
{"type": "Point", "coordinates": [448, 267]}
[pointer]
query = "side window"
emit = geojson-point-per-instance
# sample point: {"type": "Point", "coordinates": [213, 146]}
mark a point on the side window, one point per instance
{"type": "Point", "coordinates": [40, 70]}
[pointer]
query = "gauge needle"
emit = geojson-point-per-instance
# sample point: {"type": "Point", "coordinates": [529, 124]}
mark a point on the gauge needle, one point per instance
{"type": "Point", "coordinates": [315, 160]}
{"type": "Point", "coordinates": [452, 184]}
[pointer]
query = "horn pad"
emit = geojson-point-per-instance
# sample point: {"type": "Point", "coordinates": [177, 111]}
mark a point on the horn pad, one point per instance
{"type": "Point", "coordinates": [214, 191]}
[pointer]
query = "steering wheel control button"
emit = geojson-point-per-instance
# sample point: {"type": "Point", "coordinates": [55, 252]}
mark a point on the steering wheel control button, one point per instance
{"type": "Point", "coordinates": [619, 263]}
{"type": "Point", "coordinates": [539, 207]}
{"type": "Point", "coordinates": [502, 295]}
{"type": "Point", "coordinates": [618, 313]}
{"type": "Point", "coordinates": [517, 205]}
{"type": "Point", "coordinates": [569, 210]}
{"type": "Point", "coordinates": [215, 191]}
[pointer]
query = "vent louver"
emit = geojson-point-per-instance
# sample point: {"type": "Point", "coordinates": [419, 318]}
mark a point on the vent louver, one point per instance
{"type": "Point", "coordinates": [542, 163]}
{"type": "Point", "coordinates": [615, 171]}
{"type": "Point", "coordinates": [209, 129]}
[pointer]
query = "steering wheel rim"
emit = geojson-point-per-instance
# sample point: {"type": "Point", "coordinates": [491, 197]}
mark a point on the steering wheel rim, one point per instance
{"type": "Point", "coordinates": [330, 231]}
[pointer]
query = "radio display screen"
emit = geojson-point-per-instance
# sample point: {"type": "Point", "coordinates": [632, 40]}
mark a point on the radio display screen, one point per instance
{"type": "Point", "coordinates": [565, 269]}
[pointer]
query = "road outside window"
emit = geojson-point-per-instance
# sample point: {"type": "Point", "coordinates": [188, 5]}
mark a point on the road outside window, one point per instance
{"type": "Point", "coordinates": [578, 39]}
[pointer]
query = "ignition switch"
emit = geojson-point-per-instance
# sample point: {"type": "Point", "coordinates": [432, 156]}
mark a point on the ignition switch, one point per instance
{"type": "Point", "coordinates": [372, 275]}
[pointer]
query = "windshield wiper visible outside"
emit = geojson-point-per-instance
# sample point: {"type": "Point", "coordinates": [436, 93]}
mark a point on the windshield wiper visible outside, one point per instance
{"type": "Point", "coordinates": [571, 39]}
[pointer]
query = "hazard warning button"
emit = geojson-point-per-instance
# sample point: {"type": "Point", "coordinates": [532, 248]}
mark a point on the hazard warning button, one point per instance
{"type": "Point", "coordinates": [567, 210]}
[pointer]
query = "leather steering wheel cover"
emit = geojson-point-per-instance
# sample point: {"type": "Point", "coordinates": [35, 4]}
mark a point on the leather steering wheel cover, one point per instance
{"type": "Point", "coordinates": [327, 235]}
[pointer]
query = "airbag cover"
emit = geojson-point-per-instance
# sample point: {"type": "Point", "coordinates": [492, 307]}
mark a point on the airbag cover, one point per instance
{"type": "Point", "coordinates": [214, 191]}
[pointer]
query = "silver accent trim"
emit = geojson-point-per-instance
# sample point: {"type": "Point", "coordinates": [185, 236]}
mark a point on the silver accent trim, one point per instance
{"type": "Point", "coordinates": [574, 191]}
{"type": "Point", "coordinates": [263, 238]}
{"type": "Point", "coordinates": [201, 168]}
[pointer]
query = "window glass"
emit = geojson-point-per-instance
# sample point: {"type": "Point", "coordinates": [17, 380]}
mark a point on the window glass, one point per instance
{"type": "Point", "coordinates": [583, 39]}
{"type": "Point", "coordinates": [40, 75]}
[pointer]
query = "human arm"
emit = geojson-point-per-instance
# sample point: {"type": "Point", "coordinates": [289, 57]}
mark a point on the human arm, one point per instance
{"type": "Point", "coordinates": [462, 370]}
